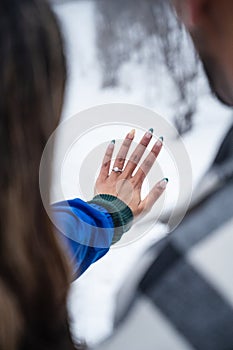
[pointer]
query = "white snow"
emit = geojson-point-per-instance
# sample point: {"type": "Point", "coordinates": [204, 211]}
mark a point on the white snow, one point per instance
{"type": "Point", "coordinates": [92, 297]}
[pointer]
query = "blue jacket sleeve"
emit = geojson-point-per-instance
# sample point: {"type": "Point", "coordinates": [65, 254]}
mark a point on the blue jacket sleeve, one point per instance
{"type": "Point", "coordinates": [86, 231]}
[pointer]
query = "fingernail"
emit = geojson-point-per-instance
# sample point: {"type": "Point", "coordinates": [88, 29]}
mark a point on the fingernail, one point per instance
{"type": "Point", "coordinates": [160, 141]}
{"type": "Point", "coordinates": [163, 183]}
{"type": "Point", "coordinates": [149, 133]}
{"type": "Point", "coordinates": [131, 134]}
{"type": "Point", "coordinates": [112, 144]}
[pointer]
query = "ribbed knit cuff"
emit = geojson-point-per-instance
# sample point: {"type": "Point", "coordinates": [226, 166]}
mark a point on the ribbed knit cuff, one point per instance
{"type": "Point", "coordinates": [122, 215]}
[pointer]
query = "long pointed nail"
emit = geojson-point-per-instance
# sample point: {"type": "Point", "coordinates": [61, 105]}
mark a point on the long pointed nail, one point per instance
{"type": "Point", "coordinates": [131, 134]}
{"type": "Point", "coordinates": [149, 133]}
{"type": "Point", "coordinates": [112, 144]}
{"type": "Point", "coordinates": [163, 183]}
{"type": "Point", "coordinates": [159, 141]}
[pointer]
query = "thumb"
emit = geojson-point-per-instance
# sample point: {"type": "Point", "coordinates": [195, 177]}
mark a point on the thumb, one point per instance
{"type": "Point", "coordinates": [154, 195]}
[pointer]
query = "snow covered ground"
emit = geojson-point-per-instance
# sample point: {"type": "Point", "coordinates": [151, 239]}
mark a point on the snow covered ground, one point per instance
{"type": "Point", "coordinates": [92, 297]}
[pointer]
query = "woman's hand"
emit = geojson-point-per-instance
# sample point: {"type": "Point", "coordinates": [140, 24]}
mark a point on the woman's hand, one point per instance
{"type": "Point", "coordinates": [121, 182]}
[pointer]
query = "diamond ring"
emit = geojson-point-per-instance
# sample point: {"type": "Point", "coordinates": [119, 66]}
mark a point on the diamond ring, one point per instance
{"type": "Point", "coordinates": [117, 170]}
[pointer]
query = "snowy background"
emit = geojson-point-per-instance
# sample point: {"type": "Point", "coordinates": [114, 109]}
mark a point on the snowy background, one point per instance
{"type": "Point", "coordinates": [110, 62]}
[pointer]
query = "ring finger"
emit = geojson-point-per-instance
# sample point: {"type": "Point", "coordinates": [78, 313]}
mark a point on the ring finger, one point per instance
{"type": "Point", "coordinates": [121, 156]}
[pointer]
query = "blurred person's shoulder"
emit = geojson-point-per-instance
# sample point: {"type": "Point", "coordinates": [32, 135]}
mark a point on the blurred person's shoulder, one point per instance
{"type": "Point", "coordinates": [182, 295]}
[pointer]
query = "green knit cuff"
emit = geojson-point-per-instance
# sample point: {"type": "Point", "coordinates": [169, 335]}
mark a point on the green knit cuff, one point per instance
{"type": "Point", "coordinates": [122, 215]}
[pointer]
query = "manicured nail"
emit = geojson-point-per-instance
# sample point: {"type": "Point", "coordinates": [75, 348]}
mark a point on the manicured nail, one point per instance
{"type": "Point", "coordinates": [149, 133]}
{"type": "Point", "coordinates": [131, 134]}
{"type": "Point", "coordinates": [159, 141]}
{"type": "Point", "coordinates": [112, 144]}
{"type": "Point", "coordinates": [163, 183]}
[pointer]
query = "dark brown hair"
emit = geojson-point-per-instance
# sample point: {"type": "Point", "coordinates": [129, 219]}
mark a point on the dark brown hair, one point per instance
{"type": "Point", "coordinates": [34, 274]}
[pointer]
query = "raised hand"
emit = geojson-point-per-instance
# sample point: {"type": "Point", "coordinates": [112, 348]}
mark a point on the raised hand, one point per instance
{"type": "Point", "coordinates": [121, 180]}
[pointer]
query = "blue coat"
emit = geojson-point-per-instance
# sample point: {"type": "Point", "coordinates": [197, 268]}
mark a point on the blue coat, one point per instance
{"type": "Point", "coordinates": [86, 230]}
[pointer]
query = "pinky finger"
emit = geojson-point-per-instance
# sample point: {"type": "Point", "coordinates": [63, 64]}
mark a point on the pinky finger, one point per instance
{"type": "Point", "coordinates": [154, 195]}
{"type": "Point", "coordinates": [104, 171]}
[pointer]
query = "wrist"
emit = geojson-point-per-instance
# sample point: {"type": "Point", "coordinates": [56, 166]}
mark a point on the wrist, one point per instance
{"type": "Point", "coordinates": [121, 214]}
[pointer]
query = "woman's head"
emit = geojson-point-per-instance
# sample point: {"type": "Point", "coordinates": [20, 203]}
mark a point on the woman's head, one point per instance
{"type": "Point", "coordinates": [34, 276]}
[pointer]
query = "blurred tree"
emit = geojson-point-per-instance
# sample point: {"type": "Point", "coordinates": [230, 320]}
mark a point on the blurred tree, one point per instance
{"type": "Point", "coordinates": [123, 26]}
{"type": "Point", "coordinates": [180, 59]}
{"type": "Point", "coordinates": [120, 32]}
